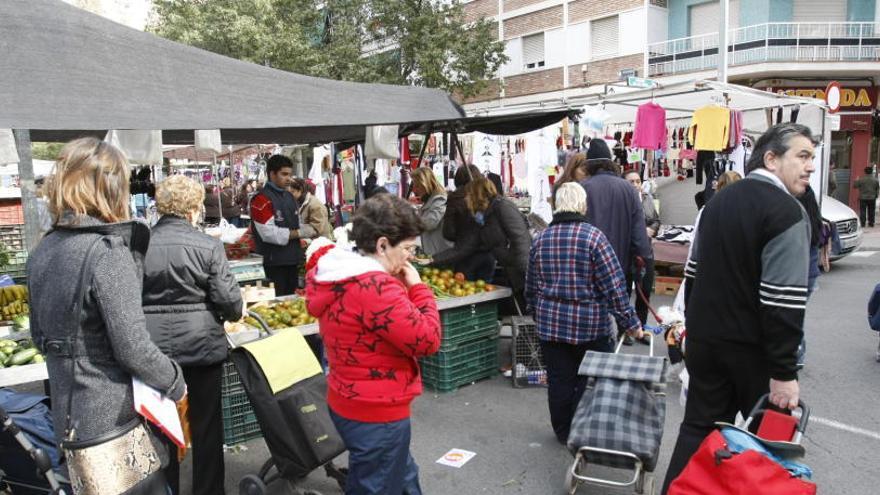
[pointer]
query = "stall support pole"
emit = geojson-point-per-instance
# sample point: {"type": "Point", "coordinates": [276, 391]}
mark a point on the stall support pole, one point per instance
{"type": "Point", "coordinates": [722, 42]}
{"type": "Point", "coordinates": [28, 188]}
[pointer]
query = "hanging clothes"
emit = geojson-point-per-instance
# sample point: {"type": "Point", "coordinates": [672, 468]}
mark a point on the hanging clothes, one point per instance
{"type": "Point", "coordinates": [650, 127]}
{"type": "Point", "coordinates": [320, 154]}
{"type": "Point", "coordinates": [710, 128]}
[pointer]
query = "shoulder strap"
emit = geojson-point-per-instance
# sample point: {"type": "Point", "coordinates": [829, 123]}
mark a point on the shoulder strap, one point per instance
{"type": "Point", "coordinates": [85, 276]}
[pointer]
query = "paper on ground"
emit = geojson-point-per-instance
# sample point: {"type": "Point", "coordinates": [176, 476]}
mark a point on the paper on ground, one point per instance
{"type": "Point", "coordinates": [456, 458]}
{"type": "Point", "coordinates": [161, 411]}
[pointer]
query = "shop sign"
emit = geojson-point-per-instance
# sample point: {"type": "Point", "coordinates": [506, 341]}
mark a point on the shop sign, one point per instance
{"type": "Point", "coordinates": [850, 98]}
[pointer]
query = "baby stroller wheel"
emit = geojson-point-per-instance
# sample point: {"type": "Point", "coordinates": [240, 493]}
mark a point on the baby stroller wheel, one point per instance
{"type": "Point", "coordinates": [251, 484]}
{"type": "Point", "coordinates": [572, 483]}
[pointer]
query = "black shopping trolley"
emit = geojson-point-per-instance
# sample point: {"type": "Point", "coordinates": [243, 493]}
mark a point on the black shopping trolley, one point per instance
{"type": "Point", "coordinates": [295, 421]}
{"type": "Point", "coordinates": [619, 420]}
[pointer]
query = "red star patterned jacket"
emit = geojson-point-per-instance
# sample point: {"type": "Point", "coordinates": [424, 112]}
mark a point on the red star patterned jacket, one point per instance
{"type": "Point", "coordinates": [374, 329]}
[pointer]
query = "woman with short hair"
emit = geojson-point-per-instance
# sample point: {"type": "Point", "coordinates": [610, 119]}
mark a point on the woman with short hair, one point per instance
{"type": "Point", "coordinates": [85, 282]}
{"type": "Point", "coordinates": [189, 292]}
{"type": "Point", "coordinates": [574, 282]}
{"type": "Point", "coordinates": [376, 318]}
{"type": "Point", "coordinates": [433, 196]}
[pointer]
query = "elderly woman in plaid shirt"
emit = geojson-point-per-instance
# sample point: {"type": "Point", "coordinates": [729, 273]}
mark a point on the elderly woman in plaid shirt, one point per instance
{"type": "Point", "coordinates": [574, 282]}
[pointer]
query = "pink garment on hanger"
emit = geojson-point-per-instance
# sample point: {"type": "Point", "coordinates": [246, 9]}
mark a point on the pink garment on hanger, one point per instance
{"type": "Point", "coordinates": [650, 128]}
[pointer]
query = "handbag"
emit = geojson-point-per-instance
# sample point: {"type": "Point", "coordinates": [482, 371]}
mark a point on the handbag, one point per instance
{"type": "Point", "coordinates": [125, 460]}
{"type": "Point", "coordinates": [874, 309]}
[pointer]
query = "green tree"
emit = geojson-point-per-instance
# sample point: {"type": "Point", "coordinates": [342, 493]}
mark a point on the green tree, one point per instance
{"type": "Point", "coordinates": [46, 151]}
{"type": "Point", "coordinates": [416, 42]}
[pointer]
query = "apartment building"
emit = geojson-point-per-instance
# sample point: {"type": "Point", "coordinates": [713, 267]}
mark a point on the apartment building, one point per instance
{"type": "Point", "coordinates": [565, 49]}
{"type": "Point", "coordinates": [792, 46]}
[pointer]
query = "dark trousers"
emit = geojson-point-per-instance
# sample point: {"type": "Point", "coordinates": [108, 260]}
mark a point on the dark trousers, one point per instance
{"type": "Point", "coordinates": [379, 461]}
{"type": "Point", "coordinates": [285, 278]}
{"type": "Point", "coordinates": [647, 285]}
{"type": "Point", "coordinates": [565, 386]}
{"type": "Point", "coordinates": [866, 211]}
{"type": "Point", "coordinates": [725, 378]}
{"type": "Point", "coordinates": [206, 427]}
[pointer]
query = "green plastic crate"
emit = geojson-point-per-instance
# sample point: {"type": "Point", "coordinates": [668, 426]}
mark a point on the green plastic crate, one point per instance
{"type": "Point", "coordinates": [454, 316]}
{"type": "Point", "coordinates": [468, 323]}
{"type": "Point", "coordinates": [461, 364]}
{"type": "Point", "coordinates": [239, 420]}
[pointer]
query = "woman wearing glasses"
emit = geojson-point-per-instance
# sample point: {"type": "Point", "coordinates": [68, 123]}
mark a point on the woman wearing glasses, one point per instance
{"type": "Point", "coordinates": [376, 318]}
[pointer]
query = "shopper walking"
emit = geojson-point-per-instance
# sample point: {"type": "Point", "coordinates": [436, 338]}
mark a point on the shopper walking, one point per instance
{"type": "Point", "coordinates": [868, 189]}
{"type": "Point", "coordinates": [188, 293]}
{"type": "Point", "coordinates": [746, 311]}
{"type": "Point", "coordinates": [220, 203]}
{"type": "Point", "coordinates": [426, 187]}
{"type": "Point", "coordinates": [314, 220]}
{"type": "Point", "coordinates": [642, 269]}
{"type": "Point", "coordinates": [574, 283]}
{"type": "Point", "coordinates": [275, 221]}
{"type": "Point", "coordinates": [84, 279]}
{"type": "Point", "coordinates": [376, 317]}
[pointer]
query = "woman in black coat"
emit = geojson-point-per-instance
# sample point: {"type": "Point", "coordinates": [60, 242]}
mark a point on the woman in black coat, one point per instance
{"type": "Point", "coordinates": [504, 230]}
{"type": "Point", "coordinates": [188, 293]}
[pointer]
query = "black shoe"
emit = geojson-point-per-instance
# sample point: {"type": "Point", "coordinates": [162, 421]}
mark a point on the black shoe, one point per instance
{"type": "Point", "coordinates": [627, 340]}
{"type": "Point", "coordinates": [645, 340]}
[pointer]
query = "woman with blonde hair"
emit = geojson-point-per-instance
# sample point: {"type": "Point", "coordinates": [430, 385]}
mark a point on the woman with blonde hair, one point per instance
{"type": "Point", "coordinates": [433, 196]}
{"type": "Point", "coordinates": [188, 293]}
{"type": "Point", "coordinates": [86, 317]}
{"type": "Point", "coordinates": [503, 230]}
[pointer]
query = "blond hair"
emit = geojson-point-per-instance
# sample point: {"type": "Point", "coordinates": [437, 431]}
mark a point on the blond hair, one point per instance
{"type": "Point", "coordinates": [479, 194]}
{"type": "Point", "coordinates": [90, 178]}
{"type": "Point", "coordinates": [179, 196]}
{"type": "Point", "coordinates": [424, 177]}
{"type": "Point", "coordinates": [726, 179]}
{"type": "Point", "coordinates": [571, 197]}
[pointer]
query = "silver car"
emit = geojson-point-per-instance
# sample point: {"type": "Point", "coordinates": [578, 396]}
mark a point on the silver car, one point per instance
{"type": "Point", "coordinates": [847, 223]}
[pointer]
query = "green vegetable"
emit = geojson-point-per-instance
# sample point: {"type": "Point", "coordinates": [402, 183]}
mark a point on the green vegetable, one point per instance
{"type": "Point", "coordinates": [22, 322]}
{"type": "Point", "coordinates": [38, 359]}
{"type": "Point", "coordinates": [23, 357]}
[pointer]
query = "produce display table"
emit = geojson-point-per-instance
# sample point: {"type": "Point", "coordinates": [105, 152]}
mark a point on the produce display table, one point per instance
{"type": "Point", "coordinates": [17, 375]}
{"type": "Point", "coordinates": [249, 269]}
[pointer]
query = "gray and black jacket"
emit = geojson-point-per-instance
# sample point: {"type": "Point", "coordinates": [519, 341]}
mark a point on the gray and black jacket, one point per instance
{"type": "Point", "coordinates": [749, 271]}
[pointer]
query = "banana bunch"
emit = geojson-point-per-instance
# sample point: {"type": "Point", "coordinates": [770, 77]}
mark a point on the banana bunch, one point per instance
{"type": "Point", "coordinates": [13, 301]}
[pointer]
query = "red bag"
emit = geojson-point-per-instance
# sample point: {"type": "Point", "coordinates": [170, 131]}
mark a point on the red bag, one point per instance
{"type": "Point", "coordinates": [715, 470]}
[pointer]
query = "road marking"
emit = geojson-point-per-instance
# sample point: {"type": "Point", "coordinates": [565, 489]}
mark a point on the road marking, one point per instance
{"type": "Point", "coordinates": [845, 427]}
{"type": "Point", "coordinates": [863, 254]}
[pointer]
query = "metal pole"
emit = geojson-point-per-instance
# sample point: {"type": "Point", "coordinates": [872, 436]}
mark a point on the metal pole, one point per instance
{"type": "Point", "coordinates": [28, 189]}
{"type": "Point", "coordinates": [722, 42]}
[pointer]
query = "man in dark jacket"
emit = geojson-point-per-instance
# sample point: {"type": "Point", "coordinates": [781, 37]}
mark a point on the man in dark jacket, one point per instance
{"type": "Point", "coordinates": [868, 189]}
{"type": "Point", "coordinates": [745, 314]}
{"type": "Point", "coordinates": [188, 293]}
{"type": "Point", "coordinates": [614, 207]}
{"type": "Point", "coordinates": [275, 218]}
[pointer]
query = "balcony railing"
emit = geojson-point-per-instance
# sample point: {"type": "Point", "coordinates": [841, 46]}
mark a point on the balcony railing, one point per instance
{"type": "Point", "coordinates": [771, 42]}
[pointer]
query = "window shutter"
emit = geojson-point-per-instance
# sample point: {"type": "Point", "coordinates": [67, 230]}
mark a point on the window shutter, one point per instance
{"type": "Point", "coordinates": [819, 11]}
{"type": "Point", "coordinates": [533, 51]}
{"type": "Point", "coordinates": [604, 37]}
{"type": "Point", "coordinates": [705, 18]}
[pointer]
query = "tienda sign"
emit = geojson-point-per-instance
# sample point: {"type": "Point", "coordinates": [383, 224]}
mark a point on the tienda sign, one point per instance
{"type": "Point", "coordinates": [850, 98]}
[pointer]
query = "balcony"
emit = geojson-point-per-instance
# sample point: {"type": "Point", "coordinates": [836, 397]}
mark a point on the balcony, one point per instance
{"type": "Point", "coordinates": [771, 42]}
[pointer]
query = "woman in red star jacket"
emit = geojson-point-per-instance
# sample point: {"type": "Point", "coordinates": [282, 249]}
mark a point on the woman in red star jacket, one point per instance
{"type": "Point", "coordinates": [376, 318]}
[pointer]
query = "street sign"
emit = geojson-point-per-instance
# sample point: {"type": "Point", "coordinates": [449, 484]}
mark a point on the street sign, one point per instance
{"type": "Point", "coordinates": [640, 82]}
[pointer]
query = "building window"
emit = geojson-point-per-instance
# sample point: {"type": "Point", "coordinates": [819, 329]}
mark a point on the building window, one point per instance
{"type": "Point", "coordinates": [604, 37]}
{"type": "Point", "coordinates": [533, 51]}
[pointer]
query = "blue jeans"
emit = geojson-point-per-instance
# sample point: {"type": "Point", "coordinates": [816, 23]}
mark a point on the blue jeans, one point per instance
{"type": "Point", "coordinates": [564, 386]}
{"type": "Point", "coordinates": [379, 461]}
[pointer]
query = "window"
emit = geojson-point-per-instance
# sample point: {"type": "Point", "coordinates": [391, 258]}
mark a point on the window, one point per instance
{"type": "Point", "coordinates": [604, 37]}
{"type": "Point", "coordinates": [533, 51]}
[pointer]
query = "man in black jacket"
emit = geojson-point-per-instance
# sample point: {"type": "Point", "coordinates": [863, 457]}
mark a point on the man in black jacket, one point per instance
{"type": "Point", "coordinates": [275, 217]}
{"type": "Point", "coordinates": [745, 313]}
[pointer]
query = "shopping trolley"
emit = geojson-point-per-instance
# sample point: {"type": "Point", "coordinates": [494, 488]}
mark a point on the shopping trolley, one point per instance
{"type": "Point", "coordinates": [295, 420]}
{"type": "Point", "coordinates": [619, 420]}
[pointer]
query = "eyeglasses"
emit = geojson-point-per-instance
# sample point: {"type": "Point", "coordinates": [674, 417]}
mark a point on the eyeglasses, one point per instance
{"type": "Point", "coordinates": [410, 249]}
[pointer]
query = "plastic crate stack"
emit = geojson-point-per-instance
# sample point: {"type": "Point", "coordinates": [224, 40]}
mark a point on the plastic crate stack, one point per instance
{"type": "Point", "coordinates": [528, 361]}
{"type": "Point", "coordinates": [12, 239]}
{"type": "Point", "coordinates": [239, 421]}
{"type": "Point", "coordinates": [469, 350]}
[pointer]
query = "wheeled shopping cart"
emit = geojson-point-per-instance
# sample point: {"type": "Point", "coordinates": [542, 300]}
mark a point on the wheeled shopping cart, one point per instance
{"type": "Point", "coordinates": [619, 420]}
{"type": "Point", "coordinates": [287, 390]}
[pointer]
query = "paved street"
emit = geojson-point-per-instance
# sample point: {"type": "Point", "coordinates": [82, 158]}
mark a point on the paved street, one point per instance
{"type": "Point", "coordinates": [516, 452]}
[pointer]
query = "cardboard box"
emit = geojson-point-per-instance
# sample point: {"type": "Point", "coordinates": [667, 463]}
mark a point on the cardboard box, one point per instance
{"type": "Point", "coordinates": [667, 286]}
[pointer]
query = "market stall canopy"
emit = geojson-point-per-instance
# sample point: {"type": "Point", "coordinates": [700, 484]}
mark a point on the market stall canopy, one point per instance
{"type": "Point", "coordinates": [65, 72]}
{"type": "Point", "coordinates": [498, 125]}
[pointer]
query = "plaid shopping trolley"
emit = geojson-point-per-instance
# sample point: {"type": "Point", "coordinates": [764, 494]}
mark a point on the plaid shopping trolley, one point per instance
{"type": "Point", "coordinates": [619, 420]}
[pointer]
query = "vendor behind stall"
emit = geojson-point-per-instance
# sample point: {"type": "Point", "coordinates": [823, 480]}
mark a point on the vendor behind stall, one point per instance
{"type": "Point", "coordinates": [274, 215]}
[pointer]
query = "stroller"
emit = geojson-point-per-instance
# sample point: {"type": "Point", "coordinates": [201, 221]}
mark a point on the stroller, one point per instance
{"type": "Point", "coordinates": [619, 420]}
{"type": "Point", "coordinates": [732, 459]}
{"type": "Point", "coordinates": [30, 464]}
{"type": "Point", "coordinates": [287, 390]}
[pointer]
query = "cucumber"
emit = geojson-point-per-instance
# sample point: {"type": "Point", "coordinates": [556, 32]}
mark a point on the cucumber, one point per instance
{"type": "Point", "coordinates": [23, 357]}
{"type": "Point", "coordinates": [38, 359]}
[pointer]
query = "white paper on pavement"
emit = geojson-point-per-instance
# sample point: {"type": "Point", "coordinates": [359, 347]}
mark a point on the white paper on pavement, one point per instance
{"type": "Point", "coordinates": [456, 458]}
{"type": "Point", "coordinates": [161, 411]}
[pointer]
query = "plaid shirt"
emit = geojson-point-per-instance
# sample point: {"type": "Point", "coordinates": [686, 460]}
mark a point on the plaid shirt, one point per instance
{"type": "Point", "coordinates": [573, 282]}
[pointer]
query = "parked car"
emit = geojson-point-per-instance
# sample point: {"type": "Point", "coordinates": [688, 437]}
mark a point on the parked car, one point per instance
{"type": "Point", "coordinates": [847, 223]}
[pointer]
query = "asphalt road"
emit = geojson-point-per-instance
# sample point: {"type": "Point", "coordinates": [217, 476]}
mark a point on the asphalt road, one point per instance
{"type": "Point", "coordinates": [509, 428]}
